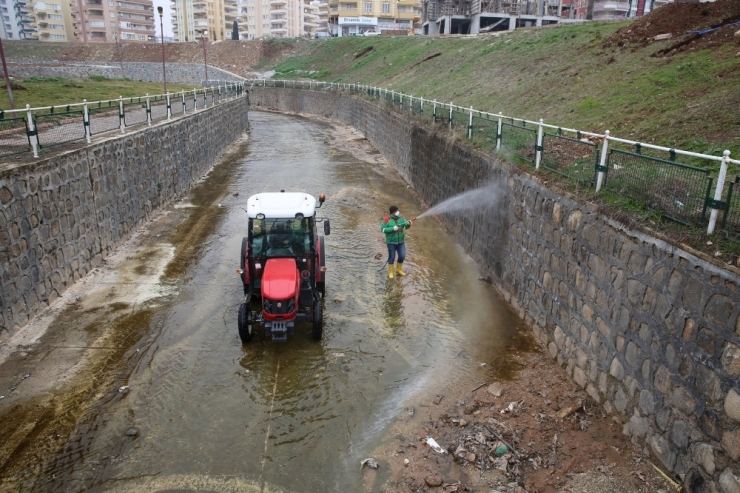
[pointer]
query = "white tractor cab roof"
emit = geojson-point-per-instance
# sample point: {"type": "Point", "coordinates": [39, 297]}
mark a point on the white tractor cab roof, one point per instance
{"type": "Point", "coordinates": [281, 205]}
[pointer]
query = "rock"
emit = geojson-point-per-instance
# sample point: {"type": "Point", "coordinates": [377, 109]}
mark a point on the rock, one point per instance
{"type": "Point", "coordinates": [470, 457]}
{"type": "Point", "coordinates": [406, 462]}
{"type": "Point", "coordinates": [463, 423]}
{"type": "Point", "coordinates": [496, 389]}
{"type": "Point", "coordinates": [732, 405]}
{"type": "Point", "coordinates": [132, 432]}
{"type": "Point", "coordinates": [661, 37]}
{"type": "Point", "coordinates": [437, 400]}
{"type": "Point", "coordinates": [729, 482]}
{"type": "Point", "coordinates": [433, 481]}
{"type": "Point", "coordinates": [703, 454]}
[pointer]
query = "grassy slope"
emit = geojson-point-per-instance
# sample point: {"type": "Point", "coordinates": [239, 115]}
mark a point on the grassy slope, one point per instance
{"type": "Point", "coordinates": [47, 92]}
{"type": "Point", "coordinates": [561, 74]}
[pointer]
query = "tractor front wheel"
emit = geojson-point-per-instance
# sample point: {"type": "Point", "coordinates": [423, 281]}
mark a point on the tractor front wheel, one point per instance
{"type": "Point", "coordinates": [318, 321]}
{"type": "Point", "coordinates": [245, 323]}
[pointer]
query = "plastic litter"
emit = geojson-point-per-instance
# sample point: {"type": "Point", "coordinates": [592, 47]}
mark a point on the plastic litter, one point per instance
{"type": "Point", "coordinates": [501, 450]}
{"type": "Point", "coordinates": [124, 389]}
{"type": "Point", "coordinates": [437, 448]}
{"type": "Point", "coordinates": [369, 462]}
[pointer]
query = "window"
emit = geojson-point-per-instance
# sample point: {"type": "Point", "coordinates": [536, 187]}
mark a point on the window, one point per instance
{"type": "Point", "coordinates": [92, 24]}
{"type": "Point", "coordinates": [128, 36]}
{"type": "Point", "coordinates": [112, 14]}
{"type": "Point", "coordinates": [368, 7]}
{"type": "Point", "coordinates": [55, 17]}
{"type": "Point", "coordinates": [386, 8]}
{"type": "Point", "coordinates": [56, 26]}
{"type": "Point", "coordinates": [58, 36]}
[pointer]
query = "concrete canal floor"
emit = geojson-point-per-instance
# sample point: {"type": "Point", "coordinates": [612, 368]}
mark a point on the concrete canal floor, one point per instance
{"type": "Point", "coordinates": [136, 380]}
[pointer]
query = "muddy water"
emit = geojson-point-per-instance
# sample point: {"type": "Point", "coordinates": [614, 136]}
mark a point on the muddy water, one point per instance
{"type": "Point", "coordinates": [211, 414]}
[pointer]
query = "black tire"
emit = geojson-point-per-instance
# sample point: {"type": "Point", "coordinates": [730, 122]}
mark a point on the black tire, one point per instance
{"type": "Point", "coordinates": [321, 285]}
{"type": "Point", "coordinates": [317, 331]}
{"type": "Point", "coordinates": [245, 323]}
{"type": "Point", "coordinates": [243, 265]}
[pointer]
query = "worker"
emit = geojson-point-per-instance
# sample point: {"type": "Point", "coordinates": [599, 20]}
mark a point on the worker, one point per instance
{"type": "Point", "coordinates": [393, 226]}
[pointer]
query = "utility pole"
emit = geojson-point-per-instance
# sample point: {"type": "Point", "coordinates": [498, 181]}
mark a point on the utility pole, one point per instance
{"type": "Point", "coordinates": [161, 31]}
{"type": "Point", "coordinates": [7, 77]}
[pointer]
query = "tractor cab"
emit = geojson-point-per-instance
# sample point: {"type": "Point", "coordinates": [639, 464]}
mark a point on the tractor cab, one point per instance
{"type": "Point", "coordinates": [282, 265]}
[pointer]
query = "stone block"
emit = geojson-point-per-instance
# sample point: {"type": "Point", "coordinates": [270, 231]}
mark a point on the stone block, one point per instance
{"type": "Point", "coordinates": [579, 376]}
{"type": "Point", "coordinates": [646, 401]}
{"type": "Point", "coordinates": [706, 340]}
{"type": "Point", "coordinates": [732, 405]}
{"type": "Point", "coordinates": [662, 450]}
{"type": "Point", "coordinates": [719, 309]}
{"type": "Point", "coordinates": [731, 359]}
{"type": "Point", "coordinates": [708, 383]}
{"type": "Point", "coordinates": [692, 296]}
{"type": "Point", "coordinates": [703, 454]}
{"type": "Point", "coordinates": [632, 354]}
{"type": "Point", "coordinates": [594, 393]}
{"type": "Point", "coordinates": [662, 380]}
{"type": "Point", "coordinates": [639, 426]}
{"type": "Point", "coordinates": [553, 350]}
{"type": "Point", "coordinates": [731, 443]}
{"type": "Point", "coordinates": [680, 432]}
{"type": "Point", "coordinates": [616, 369]}
{"type": "Point", "coordinates": [728, 481]}
{"type": "Point", "coordinates": [682, 400]}
{"type": "Point", "coordinates": [620, 400]}
{"type": "Point", "coordinates": [710, 423]}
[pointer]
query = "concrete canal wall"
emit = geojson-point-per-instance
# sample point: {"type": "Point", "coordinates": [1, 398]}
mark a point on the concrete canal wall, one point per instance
{"type": "Point", "coordinates": [61, 216]}
{"type": "Point", "coordinates": [650, 331]}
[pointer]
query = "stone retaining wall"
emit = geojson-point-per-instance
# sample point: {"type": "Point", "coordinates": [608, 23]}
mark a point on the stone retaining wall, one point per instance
{"type": "Point", "coordinates": [183, 73]}
{"type": "Point", "coordinates": [61, 216]}
{"type": "Point", "coordinates": [650, 331]}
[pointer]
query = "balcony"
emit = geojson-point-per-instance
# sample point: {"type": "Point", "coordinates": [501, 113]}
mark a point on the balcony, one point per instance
{"type": "Point", "coordinates": [407, 16]}
{"type": "Point", "coordinates": [278, 11]}
{"type": "Point", "coordinates": [347, 12]}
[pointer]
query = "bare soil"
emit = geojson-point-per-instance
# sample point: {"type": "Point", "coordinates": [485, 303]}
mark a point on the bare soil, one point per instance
{"type": "Point", "coordinates": [692, 27]}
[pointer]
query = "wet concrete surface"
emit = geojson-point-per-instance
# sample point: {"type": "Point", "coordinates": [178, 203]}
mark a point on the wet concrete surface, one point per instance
{"type": "Point", "coordinates": [136, 380]}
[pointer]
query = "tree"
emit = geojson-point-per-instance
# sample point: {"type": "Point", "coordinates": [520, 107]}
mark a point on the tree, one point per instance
{"type": "Point", "coordinates": [235, 32]}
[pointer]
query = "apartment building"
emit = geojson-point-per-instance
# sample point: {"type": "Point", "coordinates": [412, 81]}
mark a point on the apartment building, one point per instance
{"type": "Point", "coordinates": [355, 17]}
{"type": "Point", "coordinates": [107, 21]}
{"type": "Point", "coordinates": [194, 19]}
{"type": "Point", "coordinates": [276, 18]}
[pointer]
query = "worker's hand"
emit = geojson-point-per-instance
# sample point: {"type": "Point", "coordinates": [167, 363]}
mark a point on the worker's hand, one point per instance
{"type": "Point", "coordinates": [395, 228]}
{"type": "Point", "coordinates": [408, 224]}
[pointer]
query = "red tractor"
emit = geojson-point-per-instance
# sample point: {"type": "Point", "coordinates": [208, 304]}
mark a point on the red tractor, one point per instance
{"type": "Point", "coordinates": [282, 265]}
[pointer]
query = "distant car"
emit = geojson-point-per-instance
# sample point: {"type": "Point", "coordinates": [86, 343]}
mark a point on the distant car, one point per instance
{"type": "Point", "coordinates": [372, 33]}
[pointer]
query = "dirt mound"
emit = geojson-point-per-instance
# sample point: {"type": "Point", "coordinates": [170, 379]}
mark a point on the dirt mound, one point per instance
{"type": "Point", "coordinates": [692, 27]}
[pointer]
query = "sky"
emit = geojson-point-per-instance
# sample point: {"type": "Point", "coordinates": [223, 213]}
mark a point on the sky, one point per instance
{"type": "Point", "coordinates": [166, 17]}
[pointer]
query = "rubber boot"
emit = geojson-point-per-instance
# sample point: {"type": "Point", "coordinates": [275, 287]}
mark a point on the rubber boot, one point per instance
{"type": "Point", "coordinates": [399, 271]}
{"type": "Point", "coordinates": [390, 271]}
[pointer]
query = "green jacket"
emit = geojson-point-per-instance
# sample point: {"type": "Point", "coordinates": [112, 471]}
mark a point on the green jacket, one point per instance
{"type": "Point", "coordinates": [394, 237]}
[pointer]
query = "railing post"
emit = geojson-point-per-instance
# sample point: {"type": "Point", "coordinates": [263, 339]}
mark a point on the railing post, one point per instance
{"type": "Point", "coordinates": [434, 113]}
{"type": "Point", "coordinates": [169, 108]}
{"type": "Point", "coordinates": [86, 120]}
{"type": "Point", "coordinates": [148, 110]}
{"type": "Point", "coordinates": [195, 100]}
{"type": "Point", "coordinates": [498, 130]}
{"type": "Point", "coordinates": [470, 124]}
{"type": "Point", "coordinates": [421, 105]}
{"type": "Point", "coordinates": [718, 191]}
{"type": "Point", "coordinates": [183, 102]}
{"type": "Point", "coordinates": [32, 135]}
{"type": "Point", "coordinates": [538, 147]}
{"type": "Point", "coordinates": [449, 121]}
{"type": "Point", "coordinates": [121, 122]}
{"type": "Point", "coordinates": [602, 163]}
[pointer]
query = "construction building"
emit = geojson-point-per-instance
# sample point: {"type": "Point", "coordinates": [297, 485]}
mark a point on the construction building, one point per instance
{"type": "Point", "coordinates": [194, 20]}
{"type": "Point", "coordinates": [356, 17]}
{"type": "Point", "coordinates": [475, 16]}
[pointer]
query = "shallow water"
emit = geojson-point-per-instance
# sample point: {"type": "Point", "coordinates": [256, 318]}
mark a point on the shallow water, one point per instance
{"type": "Point", "coordinates": [215, 415]}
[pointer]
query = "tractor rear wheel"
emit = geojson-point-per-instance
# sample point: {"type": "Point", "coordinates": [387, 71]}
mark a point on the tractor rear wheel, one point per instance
{"type": "Point", "coordinates": [318, 321]}
{"type": "Point", "coordinates": [245, 322]}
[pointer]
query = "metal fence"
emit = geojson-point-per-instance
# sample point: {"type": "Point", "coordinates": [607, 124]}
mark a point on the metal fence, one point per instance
{"type": "Point", "coordinates": [679, 185]}
{"type": "Point", "coordinates": [32, 130]}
